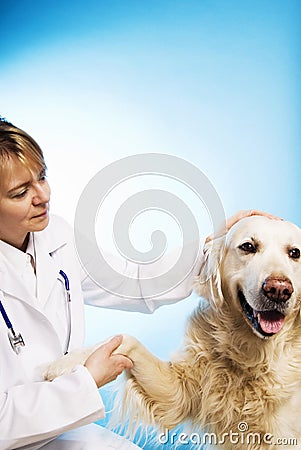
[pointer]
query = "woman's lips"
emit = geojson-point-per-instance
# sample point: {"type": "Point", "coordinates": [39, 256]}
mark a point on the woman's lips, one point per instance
{"type": "Point", "coordinates": [42, 214]}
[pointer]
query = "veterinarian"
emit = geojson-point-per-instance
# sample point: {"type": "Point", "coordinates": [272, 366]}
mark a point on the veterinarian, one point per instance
{"type": "Point", "coordinates": [39, 274]}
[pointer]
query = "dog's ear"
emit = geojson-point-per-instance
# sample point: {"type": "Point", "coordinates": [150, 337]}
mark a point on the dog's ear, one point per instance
{"type": "Point", "coordinates": [208, 282]}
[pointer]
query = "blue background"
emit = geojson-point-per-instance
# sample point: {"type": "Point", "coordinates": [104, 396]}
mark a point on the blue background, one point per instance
{"type": "Point", "coordinates": [213, 82]}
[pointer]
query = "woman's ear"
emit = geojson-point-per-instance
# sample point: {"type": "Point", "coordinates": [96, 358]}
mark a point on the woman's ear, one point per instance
{"type": "Point", "coordinates": [208, 282]}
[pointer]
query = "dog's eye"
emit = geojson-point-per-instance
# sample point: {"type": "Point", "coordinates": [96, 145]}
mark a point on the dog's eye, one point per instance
{"type": "Point", "coordinates": [294, 253]}
{"type": "Point", "coordinates": [248, 247]}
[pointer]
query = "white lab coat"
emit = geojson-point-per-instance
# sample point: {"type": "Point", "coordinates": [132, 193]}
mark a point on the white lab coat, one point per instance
{"type": "Point", "coordinates": [33, 411]}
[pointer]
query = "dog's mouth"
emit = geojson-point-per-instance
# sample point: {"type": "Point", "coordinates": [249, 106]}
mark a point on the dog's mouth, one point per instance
{"type": "Point", "coordinates": [265, 323]}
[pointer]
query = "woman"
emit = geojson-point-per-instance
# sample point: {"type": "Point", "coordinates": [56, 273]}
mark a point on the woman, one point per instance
{"type": "Point", "coordinates": [37, 262]}
{"type": "Point", "coordinates": [33, 249]}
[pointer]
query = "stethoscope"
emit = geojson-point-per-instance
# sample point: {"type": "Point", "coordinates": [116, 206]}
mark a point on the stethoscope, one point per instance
{"type": "Point", "coordinates": [16, 340]}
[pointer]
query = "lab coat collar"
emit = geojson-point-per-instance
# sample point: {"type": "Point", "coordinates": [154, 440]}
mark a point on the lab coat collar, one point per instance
{"type": "Point", "coordinates": [11, 282]}
{"type": "Point", "coordinates": [54, 236]}
{"type": "Point", "coordinates": [47, 268]}
{"type": "Point", "coordinates": [18, 258]}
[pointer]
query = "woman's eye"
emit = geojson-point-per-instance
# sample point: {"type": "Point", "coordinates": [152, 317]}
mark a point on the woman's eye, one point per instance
{"type": "Point", "coordinates": [294, 253]}
{"type": "Point", "coordinates": [42, 176]}
{"type": "Point", "coordinates": [20, 194]}
{"type": "Point", "coordinates": [247, 247]}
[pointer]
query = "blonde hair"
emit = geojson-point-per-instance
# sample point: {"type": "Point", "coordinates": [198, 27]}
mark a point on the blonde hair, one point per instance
{"type": "Point", "coordinates": [16, 143]}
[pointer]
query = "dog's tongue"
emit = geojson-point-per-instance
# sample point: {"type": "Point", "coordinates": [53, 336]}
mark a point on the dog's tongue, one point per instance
{"type": "Point", "coordinates": [271, 321]}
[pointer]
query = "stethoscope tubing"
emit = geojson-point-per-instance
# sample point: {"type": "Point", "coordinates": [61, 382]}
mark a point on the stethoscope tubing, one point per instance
{"type": "Point", "coordinates": [5, 317]}
{"type": "Point", "coordinates": [67, 287]}
{"type": "Point", "coordinates": [16, 339]}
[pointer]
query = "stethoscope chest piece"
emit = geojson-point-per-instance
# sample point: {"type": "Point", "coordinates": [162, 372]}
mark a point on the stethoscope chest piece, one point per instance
{"type": "Point", "coordinates": [16, 341]}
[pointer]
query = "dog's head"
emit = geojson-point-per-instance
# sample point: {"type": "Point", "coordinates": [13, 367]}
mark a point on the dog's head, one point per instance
{"type": "Point", "coordinates": [256, 269]}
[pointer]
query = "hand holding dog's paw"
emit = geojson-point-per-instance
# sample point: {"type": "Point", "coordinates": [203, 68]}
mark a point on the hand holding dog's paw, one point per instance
{"type": "Point", "coordinates": [128, 347]}
{"type": "Point", "coordinates": [105, 365]}
{"type": "Point", "coordinates": [103, 361]}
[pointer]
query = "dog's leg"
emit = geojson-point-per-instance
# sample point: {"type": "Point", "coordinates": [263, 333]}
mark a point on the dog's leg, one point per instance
{"type": "Point", "coordinates": [155, 393]}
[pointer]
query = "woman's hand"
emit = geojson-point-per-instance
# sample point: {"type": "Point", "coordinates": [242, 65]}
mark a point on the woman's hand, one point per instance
{"type": "Point", "coordinates": [104, 366]}
{"type": "Point", "coordinates": [236, 218]}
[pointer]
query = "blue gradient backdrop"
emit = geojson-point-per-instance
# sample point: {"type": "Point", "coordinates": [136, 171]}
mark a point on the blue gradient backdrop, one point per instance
{"type": "Point", "coordinates": [214, 82]}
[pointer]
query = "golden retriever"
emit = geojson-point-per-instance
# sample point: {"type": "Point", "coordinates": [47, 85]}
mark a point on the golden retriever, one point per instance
{"type": "Point", "coordinates": [237, 378]}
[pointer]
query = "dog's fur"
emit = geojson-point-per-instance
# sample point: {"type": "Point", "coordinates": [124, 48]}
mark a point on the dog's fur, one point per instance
{"type": "Point", "coordinates": [229, 370]}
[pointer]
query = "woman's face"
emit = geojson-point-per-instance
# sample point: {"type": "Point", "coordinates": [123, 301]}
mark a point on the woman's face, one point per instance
{"type": "Point", "coordinates": [24, 203]}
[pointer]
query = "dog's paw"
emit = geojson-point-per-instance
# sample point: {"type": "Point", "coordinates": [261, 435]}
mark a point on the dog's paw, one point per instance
{"type": "Point", "coordinates": [128, 347]}
{"type": "Point", "coordinates": [66, 363]}
{"type": "Point", "coordinates": [57, 368]}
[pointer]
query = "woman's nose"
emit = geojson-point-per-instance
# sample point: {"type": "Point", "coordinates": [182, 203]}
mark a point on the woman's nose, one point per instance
{"type": "Point", "coordinates": [41, 194]}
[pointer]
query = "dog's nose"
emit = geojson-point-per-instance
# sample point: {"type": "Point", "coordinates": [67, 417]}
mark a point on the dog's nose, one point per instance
{"type": "Point", "coordinates": [278, 289]}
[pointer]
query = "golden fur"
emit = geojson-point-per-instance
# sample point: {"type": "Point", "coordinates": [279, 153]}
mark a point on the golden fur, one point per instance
{"type": "Point", "coordinates": [227, 372]}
